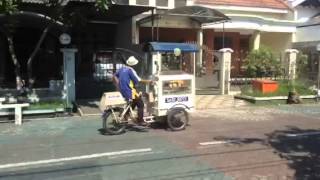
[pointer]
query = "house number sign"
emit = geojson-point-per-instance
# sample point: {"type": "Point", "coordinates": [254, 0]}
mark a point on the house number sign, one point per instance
{"type": "Point", "coordinates": [65, 39]}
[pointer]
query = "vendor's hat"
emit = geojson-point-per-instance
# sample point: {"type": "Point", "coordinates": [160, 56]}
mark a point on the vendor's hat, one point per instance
{"type": "Point", "coordinates": [132, 61]}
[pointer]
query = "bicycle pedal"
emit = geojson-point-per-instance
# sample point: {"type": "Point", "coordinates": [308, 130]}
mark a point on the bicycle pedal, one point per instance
{"type": "Point", "coordinates": [149, 119]}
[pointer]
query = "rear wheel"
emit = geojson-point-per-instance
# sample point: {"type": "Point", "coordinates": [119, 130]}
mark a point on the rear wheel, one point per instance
{"type": "Point", "coordinates": [177, 119]}
{"type": "Point", "coordinates": [110, 123]}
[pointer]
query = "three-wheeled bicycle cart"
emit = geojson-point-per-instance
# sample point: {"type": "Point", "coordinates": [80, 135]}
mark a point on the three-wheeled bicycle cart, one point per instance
{"type": "Point", "coordinates": [171, 66]}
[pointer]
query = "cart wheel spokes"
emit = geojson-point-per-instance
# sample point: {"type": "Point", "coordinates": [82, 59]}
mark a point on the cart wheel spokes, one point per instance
{"type": "Point", "coordinates": [177, 119]}
{"type": "Point", "coordinates": [110, 123]}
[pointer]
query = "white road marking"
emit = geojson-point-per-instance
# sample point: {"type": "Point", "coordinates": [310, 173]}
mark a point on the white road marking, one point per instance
{"type": "Point", "coordinates": [303, 134]}
{"type": "Point", "coordinates": [116, 153]}
{"type": "Point", "coordinates": [140, 154]}
{"type": "Point", "coordinates": [217, 142]}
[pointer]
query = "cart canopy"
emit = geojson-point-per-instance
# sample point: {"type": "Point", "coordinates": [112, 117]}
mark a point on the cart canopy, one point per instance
{"type": "Point", "coordinates": [170, 47]}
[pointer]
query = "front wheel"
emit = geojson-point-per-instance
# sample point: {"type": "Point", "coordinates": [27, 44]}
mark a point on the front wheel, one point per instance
{"type": "Point", "coordinates": [177, 119]}
{"type": "Point", "coordinates": [110, 123]}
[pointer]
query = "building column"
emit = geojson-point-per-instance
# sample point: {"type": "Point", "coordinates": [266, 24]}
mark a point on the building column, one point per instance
{"type": "Point", "coordinates": [134, 31]}
{"type": "Point", "coordinates": [294, 37]}
{"type": "Point", "coordinates": [171, 4]}
{"type": "Point", "coordinates": [256, 40]}
{"type": "Point", "coordinates": [225, 70]}
{"type": "Point", "coordinates": [152, 3]}
{"type": "Point", "coordinates": [200, 44]}
{"type": "Point", "coordinates": [132, 2]}
{"type": "Point", "coordinates": [190, 2]}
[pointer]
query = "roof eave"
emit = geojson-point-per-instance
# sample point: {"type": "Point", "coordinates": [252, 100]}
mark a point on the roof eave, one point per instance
{"type": "Point", "coordinates": [247, 8]}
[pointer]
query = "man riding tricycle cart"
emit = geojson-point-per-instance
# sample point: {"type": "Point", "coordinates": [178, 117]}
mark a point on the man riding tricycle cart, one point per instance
{"type": "Point", "coordinates": [169, 92]}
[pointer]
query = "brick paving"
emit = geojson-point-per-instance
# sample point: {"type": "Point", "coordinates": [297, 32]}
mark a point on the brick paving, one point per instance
{"type": "Point", "coordinates": [217, 101]}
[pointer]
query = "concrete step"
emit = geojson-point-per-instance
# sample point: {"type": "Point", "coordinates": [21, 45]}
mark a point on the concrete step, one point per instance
{"type": "Point", "coordinates": [87, 107]}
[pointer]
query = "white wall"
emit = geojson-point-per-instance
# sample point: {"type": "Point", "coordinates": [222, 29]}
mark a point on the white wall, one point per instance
{"type": "Point", "coordinates": [306, 12]}
{"type": "Point", "coordinates": [311, 33]}
{"type": "Point", "coordinates": [306, 34]}
{"type": "Point", "coordinates": [278, 42]}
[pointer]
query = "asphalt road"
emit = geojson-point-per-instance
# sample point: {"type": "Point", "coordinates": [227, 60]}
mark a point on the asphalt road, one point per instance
{"type": "Point", "coordinates": [258, 143]}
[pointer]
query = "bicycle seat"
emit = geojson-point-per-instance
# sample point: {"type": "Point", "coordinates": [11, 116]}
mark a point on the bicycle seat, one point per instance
{"type": "Point", "coordinates": [129, 101]}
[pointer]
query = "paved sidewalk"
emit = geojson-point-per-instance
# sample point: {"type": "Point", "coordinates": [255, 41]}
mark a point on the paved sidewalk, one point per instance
{"type": "Point", "coordinates": [217, 101]}
{"type": "Point", "coordinates": [91, 107]}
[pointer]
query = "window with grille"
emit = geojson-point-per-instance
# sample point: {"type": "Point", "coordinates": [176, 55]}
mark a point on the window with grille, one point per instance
{"type": "Point", "coordinates": [122, 1]}
{"type": "Point", "coordinates": [180, 3]}
{"type": "Point", "coordinates": [142, 2]}
{"type": "Point", "coordinates": [163, 3]}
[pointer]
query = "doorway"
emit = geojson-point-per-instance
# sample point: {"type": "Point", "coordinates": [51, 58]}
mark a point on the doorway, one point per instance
{"type": "Point", "coordinates": [208, 73]}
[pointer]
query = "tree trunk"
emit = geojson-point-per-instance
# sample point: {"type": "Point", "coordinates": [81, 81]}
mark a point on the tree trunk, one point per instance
{"type": "Point", "coordinates": [31, 79]}
{"type": "Point", "coordinates": [15, 61]}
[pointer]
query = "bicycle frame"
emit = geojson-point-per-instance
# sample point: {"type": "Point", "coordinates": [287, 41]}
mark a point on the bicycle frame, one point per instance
{"type": "Point", "coordinates": [125, 111]}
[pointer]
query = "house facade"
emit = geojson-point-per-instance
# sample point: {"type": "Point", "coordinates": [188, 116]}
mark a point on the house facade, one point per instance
{"type": "Point", "coordinates": [94, 38]}
{"type": "Point", "coordinates": [307, 13]}
{"type": "Point", "coordinates": [253, 24]}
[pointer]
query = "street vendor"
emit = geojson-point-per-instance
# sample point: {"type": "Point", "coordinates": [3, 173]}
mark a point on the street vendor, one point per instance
{"type": "Point", "coordinates": [126, 79]}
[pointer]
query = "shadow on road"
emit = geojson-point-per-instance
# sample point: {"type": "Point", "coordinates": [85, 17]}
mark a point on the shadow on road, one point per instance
{"type": "Point", "coordinates": [299, 147]}
{"type": "Point", "coordinates": [137, 128]}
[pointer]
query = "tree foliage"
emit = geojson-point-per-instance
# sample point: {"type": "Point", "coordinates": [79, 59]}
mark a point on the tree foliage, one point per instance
{"type": "Point", "coordinates": [262, 62]}
{"type": "Point", "coordinates": [56, 13]}
{"type": "Point", "coordinates": [103, 5]}
{"type": "Point", "coordinates": [8, 6]}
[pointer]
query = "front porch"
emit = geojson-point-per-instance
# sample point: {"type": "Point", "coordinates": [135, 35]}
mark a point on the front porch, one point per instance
{"type": "Point", "coordinates": [242, 42]}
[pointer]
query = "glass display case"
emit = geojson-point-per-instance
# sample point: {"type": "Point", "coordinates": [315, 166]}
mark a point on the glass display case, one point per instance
{"type": "Point", "coordinates": [172, 64]}
{"type": "Point", "coordinates": [176, 87]}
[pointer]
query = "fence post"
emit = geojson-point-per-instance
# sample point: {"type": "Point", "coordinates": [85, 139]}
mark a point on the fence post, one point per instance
{"type": "Point", "coordinates": [291, 65]}
{"type": "Point", "coordinates": [69, 76]}
{"type": "Point", "coordinates": [225, 70]}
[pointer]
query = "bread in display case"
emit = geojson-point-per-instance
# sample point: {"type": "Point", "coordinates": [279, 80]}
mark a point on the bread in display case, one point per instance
{"type": "Point", "coordinates": [176, 87]}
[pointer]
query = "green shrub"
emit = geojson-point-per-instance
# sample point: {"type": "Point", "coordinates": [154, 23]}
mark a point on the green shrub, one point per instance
{"type": "Point", "coordinates": [47, 105]}
{"type": "Point", "coordinates": [262, 63]}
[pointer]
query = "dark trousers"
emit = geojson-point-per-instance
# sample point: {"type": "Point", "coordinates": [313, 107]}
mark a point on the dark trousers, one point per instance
{"type": "Point", "coordinates": [137, 102]}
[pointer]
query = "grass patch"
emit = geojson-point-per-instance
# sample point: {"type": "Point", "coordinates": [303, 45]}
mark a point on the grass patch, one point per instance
{"type": "Point", "coordinates": [283, 90]}
{"type": "Point", "coordinates": [46, 105]}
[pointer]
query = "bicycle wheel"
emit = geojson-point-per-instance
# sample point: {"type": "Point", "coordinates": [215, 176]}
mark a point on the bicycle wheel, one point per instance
{"type": "Point", "coordinates": [177, 119]}
{"type": "Point", "coordinates": [109, 123]}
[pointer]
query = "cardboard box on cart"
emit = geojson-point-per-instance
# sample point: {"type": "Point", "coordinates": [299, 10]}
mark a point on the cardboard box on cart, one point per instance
{"type": "Point", "coordinates": [111, 99]}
